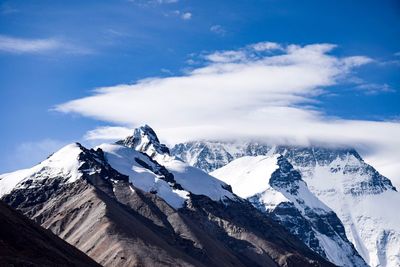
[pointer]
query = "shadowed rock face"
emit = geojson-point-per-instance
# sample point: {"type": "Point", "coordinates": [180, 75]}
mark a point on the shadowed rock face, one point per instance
{"type": "Point", "coordinates": [103, 228]}
{"type": "Point", "coordinates": [212, 155]}
{"type": "Point", "coordinates": [117, 224]}
{"type": "Point", "coordinates": [285, 177]}
{"type": "Point", "coordinates": [338, 177]}
{"type": "Point", "coordinates": [25, 243]}
{"type": "Point", "coordinates": [145, 139]}
{"type": "Point", "coordinates": [274, 187]}
{"type": "Point", "coordinates": [307, 158]}
{"type": "Point", "coordinates": [312, 222]}
{"type": "Point", "coordinates": [133, 228]}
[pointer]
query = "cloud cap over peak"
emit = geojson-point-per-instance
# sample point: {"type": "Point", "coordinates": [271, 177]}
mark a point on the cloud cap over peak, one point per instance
{"type": "Point", "coordinates": [232, 87]}
{"type": "Point", "coordinates": [265, 91]}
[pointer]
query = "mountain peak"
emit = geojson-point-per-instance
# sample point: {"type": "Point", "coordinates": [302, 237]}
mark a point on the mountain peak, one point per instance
{"type": "Point", "coordinates": [146, 130]}
{"type": "Point", "coordinates": [145, 140]}
{"type": "Point", "coordinates": [285, 176]}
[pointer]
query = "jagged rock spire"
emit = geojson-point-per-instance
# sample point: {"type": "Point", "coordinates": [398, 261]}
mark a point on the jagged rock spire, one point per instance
{"type": "Point", "coordinates": [286, 176]}
{"type": "Point", "coordinates": [145, 140]}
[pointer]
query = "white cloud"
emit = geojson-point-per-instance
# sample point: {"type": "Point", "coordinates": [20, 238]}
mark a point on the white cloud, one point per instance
{"type": "Point", "coordinates": [186, 16]}
{"type": "Point", "coordinates": [246, 93]}
{"type": "Point", "coordinates": [166, 71]}
{"type": "Point", "coordinates": [19, 46]}
{"type": "Point", "coordinates": [108, 133]}
{"type": "Point", "coordinates": [227, 56]}
{"type": "Point", "coordinates": [263, 46]}
{"type": "Point", "coordinates": [180, 14]}
{"type": "Point", "coordinates": [374, 88]}
{"type": "Point", "coordinates": [218, 29]}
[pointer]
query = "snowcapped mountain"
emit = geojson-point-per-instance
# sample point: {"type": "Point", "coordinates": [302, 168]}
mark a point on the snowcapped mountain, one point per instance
{"type": "Point", "coordinates": [273, 186]}
{"type": "Point", "coordinates": [364, 200]}
{"type": "Point", "coordinates": [145, 140]}
{"type": "Point", "coordinates": [211, 155]}
{"type": "Point", "coordinates": [133, 204]}
{"type": "Point", "coordinates": [183, 177]}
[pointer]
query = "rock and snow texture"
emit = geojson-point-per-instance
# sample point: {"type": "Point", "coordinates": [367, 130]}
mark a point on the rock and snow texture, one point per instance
{"type": "Point", "coordinates": [365, 201]}
{"type": "Point", "coordinates": [145, 140]}
{"type": "Point", "coordinates": [211, 155]}
{"type": "Point", "coordinates": [64, 164]}
{"type": "Point", "coordinates": [142, 172]}
{"type": "Point", "coordinates": [188, 178]}
{"type": "Point", "coordinates": [183, 217]}
{"type": "Point", "coordinates": [273, 186]}
{"type": "Point", "coordinates": [173, 180]}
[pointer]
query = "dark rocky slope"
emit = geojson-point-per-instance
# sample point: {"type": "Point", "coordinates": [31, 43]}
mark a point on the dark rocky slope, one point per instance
{"type": "Point", "coordinates": [99, 211]}
{"type": "Point", "coordinates": [134, 228]}
{"type": "Point", "coordinates": [24, 243]}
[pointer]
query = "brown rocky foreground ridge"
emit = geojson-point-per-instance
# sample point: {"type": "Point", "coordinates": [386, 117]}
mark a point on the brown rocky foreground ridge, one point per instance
{"type": "Point", "coordinates": [24, 243]}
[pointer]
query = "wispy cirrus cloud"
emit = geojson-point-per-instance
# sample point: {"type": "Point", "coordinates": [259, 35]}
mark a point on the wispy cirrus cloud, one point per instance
{"type": "Point", "coordinates": [265, 91]}
{"type": "Point", "coordinates": [108, 133]}
{"type": "Point", "coordinates": [374, 88]}
{"type": "Point", "coordinates": [218, 29]}
{"type": "Point", "coordinates": [9, 44]}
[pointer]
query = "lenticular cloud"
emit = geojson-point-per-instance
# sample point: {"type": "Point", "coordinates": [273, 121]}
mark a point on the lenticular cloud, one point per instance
{"type": "Point", "coordinates": [231, 87]}
{"type": "Point", "coordinates": [264, 90]}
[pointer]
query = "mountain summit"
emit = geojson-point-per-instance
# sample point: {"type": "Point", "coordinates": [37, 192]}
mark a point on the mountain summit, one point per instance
{"type": "Point", "coordinates": [125, 205]}
{"type": "Point", "coordinates": [273, 186]}
{"type": "Point", "coordinates": [145, 140]}
{"type": "Point", "coordinates": [364, 200]}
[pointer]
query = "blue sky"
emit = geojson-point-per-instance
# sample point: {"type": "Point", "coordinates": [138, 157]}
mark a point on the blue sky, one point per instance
{"type": "Point", "coordinates": [52, 52]}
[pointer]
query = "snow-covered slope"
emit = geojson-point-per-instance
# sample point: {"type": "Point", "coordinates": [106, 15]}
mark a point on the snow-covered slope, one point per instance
{"type": "Point", "coordinates": [138, 167]}
{"type": "Point", "coordinates": [64, 164]}
{"type": "Point", "coordinates": [173, 180]}
{"type": "Point", "coordinates": [145, 141]}
{"type": "Point", "coordinates": [273, 186]}
{"type": "Point", "coordinates": [211, 155]}
{"type": "Point", "coordinates": [150, 176]}
{"type": "Point", "coordinates": [365, 201]}
{"type": "Point", "coordinates": [249, 175]}
{"type": "Point", "coordinates": [181, 215]}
